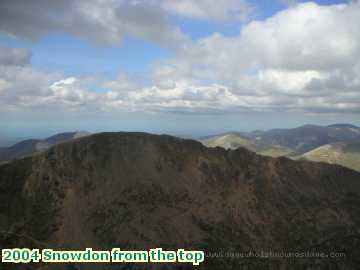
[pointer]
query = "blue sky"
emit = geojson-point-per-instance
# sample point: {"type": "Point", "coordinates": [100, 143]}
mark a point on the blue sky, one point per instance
{"type": "Point", "coordinates": [209, 68]}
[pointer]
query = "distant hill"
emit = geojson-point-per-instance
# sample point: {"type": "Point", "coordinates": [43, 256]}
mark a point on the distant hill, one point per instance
{"type": "Point", "coordinates": [229, 141]}
{"type": "Point", "coordinates": [345, 154]}
{"type": "Point", "coordinates": [235, 140]}
{"type": "Point", "coordinates": [29, 147]}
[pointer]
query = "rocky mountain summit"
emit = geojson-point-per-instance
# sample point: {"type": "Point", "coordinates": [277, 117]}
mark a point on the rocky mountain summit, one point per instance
{"type": "Point", "coordinates": [138, 191]}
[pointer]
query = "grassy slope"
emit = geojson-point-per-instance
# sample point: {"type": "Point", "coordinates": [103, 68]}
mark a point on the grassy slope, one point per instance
{"type": "Point", "coordinates": [234, 141]}
{"type": "Point", "coordinates": [347, 155]}
{"type": "Point", "coordinates": [276, 151]}
{"type": "Point", "coordinates": [229, 141]}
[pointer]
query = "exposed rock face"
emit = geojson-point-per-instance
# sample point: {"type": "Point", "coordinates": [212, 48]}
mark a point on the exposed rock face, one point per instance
{"type": "Point", "coordinates": [139, 191]}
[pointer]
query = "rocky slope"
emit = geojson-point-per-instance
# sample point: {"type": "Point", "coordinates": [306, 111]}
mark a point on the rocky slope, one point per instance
{"type": "Point", "coordinates": [138, 191]}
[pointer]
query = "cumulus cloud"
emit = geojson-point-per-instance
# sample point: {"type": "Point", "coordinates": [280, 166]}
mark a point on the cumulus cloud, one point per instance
{"type": "Point", "coordinates": [102, 22]}
{"type": "Point", "coordinates": [183, 97]}
{"type": "Point", "coordinates": [121, 84]}
{"type": "Point", "coordinates": [305, 58]}
{"type": "Point", "coordinates": [36, 89]}
{"type": "Point", "coordinates": [305, 37]}
{"type": "Point", "coordinates": [23, 84]}
{"type": "Point", "coordinates": [69, 92]}
{"type": "Point", "coordinates": [14, 56]}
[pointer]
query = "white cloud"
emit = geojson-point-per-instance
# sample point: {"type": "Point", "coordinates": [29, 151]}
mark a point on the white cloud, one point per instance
{"type": "Point", "coordinates": [288, 82]}
{"type": "Point", "coordinates": [301, 38]}
{"type": "Point", "coordinates": [121, 84]}
{"type": "Point", "coordinates": [304, 58]}
{"type": "Point", "coordinates": [183, 96]}
{"type": "Point", "coordinates": [307, 36]}
{"type": "Point", "coordinates": [24, 83]}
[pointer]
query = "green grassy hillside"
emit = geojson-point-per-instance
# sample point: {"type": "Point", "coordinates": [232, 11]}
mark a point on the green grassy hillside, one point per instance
{"type": "Point", "coordinates": [229, 141]}
{"type": "Point", "coordinates": [345, 154]}
{"type": "Point", "coordinates": [234, 141]}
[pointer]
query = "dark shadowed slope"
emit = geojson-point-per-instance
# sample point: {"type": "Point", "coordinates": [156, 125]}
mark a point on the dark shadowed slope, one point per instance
{"type": "Point", "coordinates": [18, 150]}
{"type": "Point", "coordinates": [138, 191]}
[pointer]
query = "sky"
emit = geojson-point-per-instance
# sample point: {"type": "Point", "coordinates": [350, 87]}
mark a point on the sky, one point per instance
{"type": "Point", "coordinates": [181, 67]}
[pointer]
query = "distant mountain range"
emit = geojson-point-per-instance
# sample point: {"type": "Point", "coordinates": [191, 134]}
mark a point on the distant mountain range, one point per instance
{"type": "Point", "coordinates": [32, 146]}
{"type": "Point", "coordinates": [332, 144]}
{"type": "Point", "coordinates": [138, 191]}
{"type": "Point", "coordinates": [302, 142]}
{"type": "Point", "coordinates": [308, 137]}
